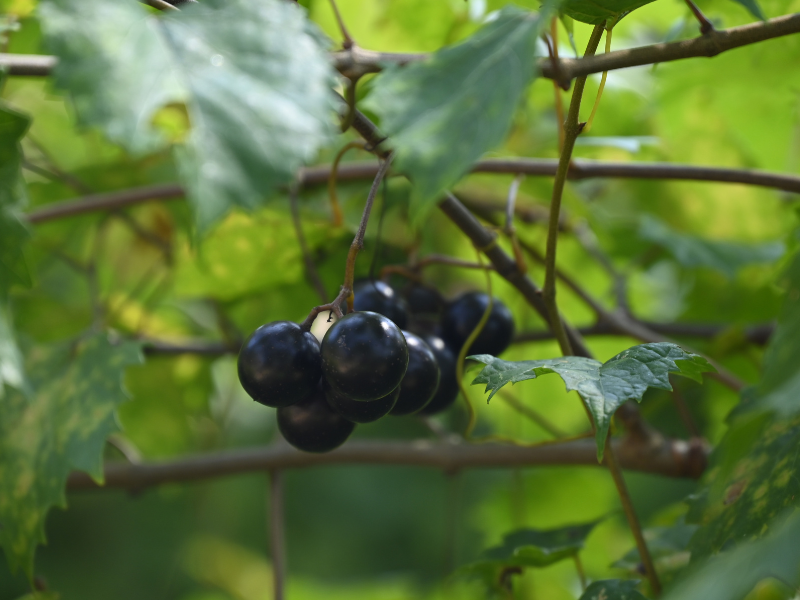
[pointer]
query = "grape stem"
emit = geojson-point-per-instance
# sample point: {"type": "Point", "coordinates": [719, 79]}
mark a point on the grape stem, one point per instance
{"type": "Point", "coordinates": [572, 130]}
{"type": "Point", "coordinates": [358, 240]}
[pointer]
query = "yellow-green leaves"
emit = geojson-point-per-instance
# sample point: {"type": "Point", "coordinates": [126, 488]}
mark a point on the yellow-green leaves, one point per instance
{"type": "Point", "coordinates": [62, 427]}
{"type": "Point", "coordinates": [253, 76]}
{"type": "Point", "coordinates": [603, 386]}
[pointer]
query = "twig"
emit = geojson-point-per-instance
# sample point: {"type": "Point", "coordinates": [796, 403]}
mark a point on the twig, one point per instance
{"type": "Point", "coordinates": [350, 97]}
{"type": "Point", "coordinates": [277, 536]}
{"type": "Point", "coordinates": [572, 129]}
{"type": "Point", "coordinates": [559, 104]}
{"type": "Point", "coordinates": [683, 411]}
{"type": "Point", "coordinates": [671, 458]}
{"type": "Point", "coordinates": [588, 240]}
{"type": "Point", "coordinates": [579, 170]}
{"type": "Point", "coordinates": [355, 62]}
{"type": "Point", "coordinates": [358, 240]}
{"type": "Point", "coordinates": [348, 41]}
{"type": "Point", "coordinates": [333, 175]}
{"type": "Point", "coordinates": [311, 268]}
{"type": "Point", "coordinates": [706, 26]}
{"type": "Point", "coordinates": [579, 568]}
{"type": "Point", "coordinates": [532, 414]}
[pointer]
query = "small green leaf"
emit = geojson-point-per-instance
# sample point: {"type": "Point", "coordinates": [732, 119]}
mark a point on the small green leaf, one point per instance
{"type": "Point", "coordinates": [63, 427]}
{"type": "Point", "coordinates": [600, 12]}
{"type": "Point", "coordinates": [528, 548]}
{"type": "Point", "coordinates": [603, 387]}
{"type": "Point", "coordinates": [689, 251]}
{"type": "Point", "coordinates": [612, 589]}
{"type": "Point", "coordinates": [253, 76]}
{"type": "Point", "coordinates": [754, 7]}
{"type": "Point", "coordinates": [444, 113]}
{"type": "Point", "coordinates": [733, 574]}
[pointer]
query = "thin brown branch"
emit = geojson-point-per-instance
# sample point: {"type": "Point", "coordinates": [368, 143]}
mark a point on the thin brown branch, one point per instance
{"type": "Point", "coordinates": [671, 458]}
{"type": "Point", "coordinates": [355, 62]}
{"type": "Point", "coordinates": [706, 26]}
{"type": "Point", "coordinates": [356, 171]}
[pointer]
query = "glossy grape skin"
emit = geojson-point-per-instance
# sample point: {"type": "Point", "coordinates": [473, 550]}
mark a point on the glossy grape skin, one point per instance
{"type": "Point", "coordinates": [464, 313]}
{"type": "Point", "coordinates": [279, 364]}
{"type": "Point", "coordinates": [364, 356]}
{"type": "Point", "coordinates": [421, 380]}
{"type": "Point", "coordinates": [360, 412]}
{"type": "Point", "coordinates": [448, 390]}
{"type": "Point", "coordinates": [379, 297]}
{"type": "Point", "coordinates": [312, 426]}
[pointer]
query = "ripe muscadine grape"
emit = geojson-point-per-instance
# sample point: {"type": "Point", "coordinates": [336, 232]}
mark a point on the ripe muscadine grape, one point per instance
{"type": "Point", "coordinates": [464, 313]}
{"type": "Point", "coordinates": [312, 426]}
{"type": "Point", "coordinates": [364, 356]}
{"type": "Point", "coordinates": [421, 380]}
{"type": "Point", "coordinates": [279, 364]}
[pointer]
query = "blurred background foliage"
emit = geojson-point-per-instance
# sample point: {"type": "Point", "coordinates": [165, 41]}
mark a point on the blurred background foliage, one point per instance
{"type": "Point", "coordinates": [390, 532]}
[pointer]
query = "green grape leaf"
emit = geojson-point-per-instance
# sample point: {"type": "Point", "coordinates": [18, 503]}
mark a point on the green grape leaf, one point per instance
{"type": "Point", "coordinates": [752, 479]}
{"type": "Point", "coordinates": [600, 12]}
{"type": "Point", "coordinates": [253, 77]}
{"type": "Point", "coordinates": [735, 573]}
{"type": "Point", "coordinates": [443, 113]}
{"type": "Point", "coordinates": [528, 548]}
{"type": "Point", "coordinates": [779, 389]}
{"type": "Point", "coordinates": [754, 7]}
{"type": "Point", "coordinates": [602, 386]}
{"type": "Point", "coordinates": [61, 428]}
{"type": "Point", "coordinates": [612, 589]}
{"type": "Point", "coordinates": [690, 251]}
{"type": "Point", "coordinates": [668, 547]}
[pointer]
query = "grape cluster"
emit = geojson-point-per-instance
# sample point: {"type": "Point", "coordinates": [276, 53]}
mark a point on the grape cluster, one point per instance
{"type": "Point", "coordinates": [369, 364]}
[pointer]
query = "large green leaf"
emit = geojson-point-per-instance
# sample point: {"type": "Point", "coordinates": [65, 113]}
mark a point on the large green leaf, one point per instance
{"type": "Point", "coordinates": [612, 589]}
{"type": "Point", "coordinates": [253, 76]}
{"type": "Point", "coordinates": [63, 427]}
{"type": "Point", "coordinates": [528, 548]}
{"type": "Point", "coordinates": [600, 12]}
{"type": "Point", "coordinates": [603, 387]}
{"type": "Point", "coordinates": [443, 113]}
{"type": "Point", "coordinates": [752, 479]}
{"type": "Point", "coordinates": [733, 574]}
{"type": "Point", "coordinates": [690, 251]}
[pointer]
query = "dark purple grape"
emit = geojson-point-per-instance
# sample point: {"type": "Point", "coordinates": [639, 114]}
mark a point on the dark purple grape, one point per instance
{"type": "Point", "coordinates": [279, 364]}
{"type": "Point", "coordinates": [379, 297]}
{"type": "Point", "coordinates": [364, 356]}
{"type": "Point", "coordinates": [360, 412]}
{"type": "Point", "coordinates": [464, 313]}
{"type": "Point", "coordinates": [421, 379]}
{"type": "Point", "coordinates": [312, 426]}
{"type": "Point", "coordinates": [448, 384]}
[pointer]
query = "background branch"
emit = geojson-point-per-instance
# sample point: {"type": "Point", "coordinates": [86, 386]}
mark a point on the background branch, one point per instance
{"type": "Point", "coordinates": [671, 458]}
{"type": "Point", "coordinates": [361, 170]}
{"type": "Point", "coordinates": [355, 62]}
